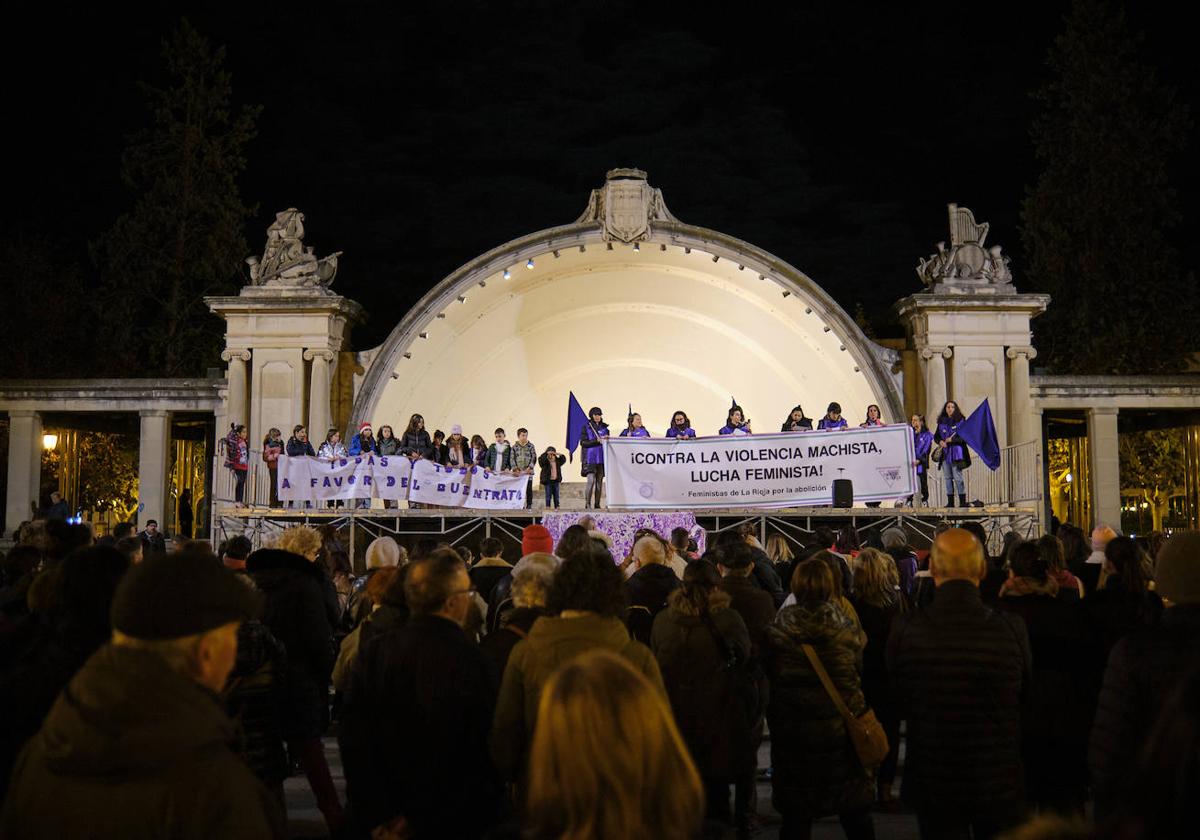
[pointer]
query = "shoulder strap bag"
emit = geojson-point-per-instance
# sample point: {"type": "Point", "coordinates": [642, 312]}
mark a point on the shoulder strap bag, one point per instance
{"type": "Point", "coordinates": [865, 731]}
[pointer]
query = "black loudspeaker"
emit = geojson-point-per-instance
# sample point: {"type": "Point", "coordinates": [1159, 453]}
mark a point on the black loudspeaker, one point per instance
{"type": "Point", "coordinates": [843, 493]}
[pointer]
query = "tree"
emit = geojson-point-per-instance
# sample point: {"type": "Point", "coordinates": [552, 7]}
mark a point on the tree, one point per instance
{"type": "Point", "coordinates": [108, 476]}
{"type": "Point", "coordinates": [1096, 223]}
{"type": "Point", "coordinates": [183, 238]}
{"type": "Point", "coordinates": [1153, 466]}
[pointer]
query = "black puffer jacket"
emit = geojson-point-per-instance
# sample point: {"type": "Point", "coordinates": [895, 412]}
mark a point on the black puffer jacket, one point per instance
{"type": "Point", "coordinates": [294, 610]}
{"type": "Point", "coordinates": [959, 668]}
{"type": "Point", "coordinates": [648, 589]}
{"type": "Point", "coordinates": [417, 444]}
{"type": "Point", "coordinates": [1142, 671]}
{"type": "Point", "coordinates": [256, 699]}
{"type": "Point", "coordinates": [816, 771]}
{"type": "Point", "coordinates": [707, 704]}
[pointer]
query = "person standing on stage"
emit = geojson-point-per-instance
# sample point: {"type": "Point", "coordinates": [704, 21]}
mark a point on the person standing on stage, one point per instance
{"type": "Point", "coordinates": [922, 443]}
{"type": "Point", "coordinates": [954, 455]}
{"type": "Point", "coordinates": [416, 443]}
{"type": "Point", "coordinates": [635, 427]}
{"type": "Point", "coordinates": [592, 440]}
{"type": "Point", "coordinates": [681, 426]}
{"type": "Point", "coordinates": [873, 418]}
{"type": "Point", "coordinates": [796, 422]}
{"type": "Point", "coordinates": [524, 459]}
{"type": "Point", "coordinates": [478, 450]}
{"type": "Point", "coordinates": [833, 418]}
{"type": "Point", "coordinates": [735, 423]}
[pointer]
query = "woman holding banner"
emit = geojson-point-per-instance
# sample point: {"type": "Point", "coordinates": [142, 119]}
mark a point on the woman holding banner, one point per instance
{"type": "Point", "coordinates": [951, 453]}
{"type": "Point", "coordinates": [416, 443]}
{"type": "Point", "coordinates": [735, 422]}
{"type": "Point", "coordinates": [873, 418]}
{"type": "Point", "coordinates": [635, 428]}
{"type": "Point", "coordinates": [833, 418]}
{"type": "Point", "coordinates": [681, 426]}
{"type": "Point", "coordinates": [796, 422]}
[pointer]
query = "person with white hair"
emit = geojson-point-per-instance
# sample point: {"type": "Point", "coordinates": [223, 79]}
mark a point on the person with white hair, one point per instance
{"type": "Point", "coordinates": [531, 580]}
{"type": "Point", "coordinates": [382, 553]}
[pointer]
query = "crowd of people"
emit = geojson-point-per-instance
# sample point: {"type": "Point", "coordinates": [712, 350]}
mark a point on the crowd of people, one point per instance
{"type": "Point", "coordinates": [942, 445]}
{"type": "Point", "coordinates": [168, 690]}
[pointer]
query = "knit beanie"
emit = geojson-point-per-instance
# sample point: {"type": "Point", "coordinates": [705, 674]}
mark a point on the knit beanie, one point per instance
{"type": "Point", "coordinates": [168, 597]}
{"type": "Point", "coordinates": [536, 538]}
{"type": "Point", "coordinates": [383, 553]}
{"type": "Point", "coordinates": [1102, 536]}
{"type": "Point", "coordinates": [1177, 569]}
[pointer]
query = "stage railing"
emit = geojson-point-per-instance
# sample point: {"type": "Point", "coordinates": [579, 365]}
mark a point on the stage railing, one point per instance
{"type": "Point", "coordinates": [1018, 481]}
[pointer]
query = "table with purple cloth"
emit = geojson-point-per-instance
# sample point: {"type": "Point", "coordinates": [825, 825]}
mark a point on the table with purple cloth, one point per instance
{"type": "Point", "coordinates": [620, 527]}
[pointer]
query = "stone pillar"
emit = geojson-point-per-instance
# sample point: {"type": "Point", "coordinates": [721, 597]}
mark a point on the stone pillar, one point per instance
{"type": "Point", "coordinates": [935, 380]}
{"type": "Point", "coordinates": [1020, 402]}
{"type": "Point", "coordinates": [318, 394]}
{"type": "Point", "coordinates": [1105, 466]}
{"type": "Point", "coordinates": [153, 455]}
{"type": "Point", "coordinates": [237, 412]}
{"type": "Point", "coordinates": [24, 466]}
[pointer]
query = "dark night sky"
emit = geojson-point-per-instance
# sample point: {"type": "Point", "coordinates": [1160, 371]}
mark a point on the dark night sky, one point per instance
{"type": "Point", "coordinates": [416, 136]}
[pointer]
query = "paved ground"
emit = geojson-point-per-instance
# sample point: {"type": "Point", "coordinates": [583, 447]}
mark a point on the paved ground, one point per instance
{"type": "Point", "coordinates": [304, 820]}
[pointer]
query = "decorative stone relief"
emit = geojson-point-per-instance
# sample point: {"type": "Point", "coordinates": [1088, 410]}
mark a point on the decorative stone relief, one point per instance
{"type": "Point", "coordinates": [286, 261]}
{"type": "Point", "coordinates": [625, 206]}
{"type": "Point", "coordinates": [966, 266]}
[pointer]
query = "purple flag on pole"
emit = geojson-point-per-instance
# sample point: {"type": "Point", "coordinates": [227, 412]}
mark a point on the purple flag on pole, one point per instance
{"type": "Point", "coordinates": [979, 432]}
{"type": "Point", "coordinates": [576, 420]}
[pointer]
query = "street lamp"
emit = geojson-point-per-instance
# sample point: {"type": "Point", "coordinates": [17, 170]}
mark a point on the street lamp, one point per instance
{"type": "Point", "coordinates": [49, 441]}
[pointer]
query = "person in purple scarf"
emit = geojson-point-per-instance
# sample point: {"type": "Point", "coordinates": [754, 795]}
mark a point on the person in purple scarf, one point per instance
{"type": "Point", "coordinates": [591, 439]}
{"type": "Point", "coordinates": [922, 443]}
{"type": "Point", "coordinates": [735, 424]}
{"type": "Point", "coordinates": [955, 457]}
{"type": "Point", "coordinates": [635, 427]}
{"type": "Point", "coordinates": [833, 418]}
{"type": "Point", "coordinates": [681, 426]}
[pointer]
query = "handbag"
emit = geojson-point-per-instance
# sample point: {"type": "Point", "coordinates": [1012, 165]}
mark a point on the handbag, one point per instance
{"type": "Point", "coordinates": [865, 731]}
{"type": "Point", "coordinates": [938, 454]}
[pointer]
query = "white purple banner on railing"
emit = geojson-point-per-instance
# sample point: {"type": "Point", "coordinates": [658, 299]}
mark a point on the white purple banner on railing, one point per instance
{"type": "Point", "coordinates": [306, 479]}
{"type": "Point", "coordinates": [758, 471]}
{"type": "Point", "coordinates": [471, 487]}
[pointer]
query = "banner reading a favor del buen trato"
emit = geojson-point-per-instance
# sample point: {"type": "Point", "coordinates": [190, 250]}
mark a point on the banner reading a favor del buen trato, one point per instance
{"type": "Point", "coordinates": [775, 470]}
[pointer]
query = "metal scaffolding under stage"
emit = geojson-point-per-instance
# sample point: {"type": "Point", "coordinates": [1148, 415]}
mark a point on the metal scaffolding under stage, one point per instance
{"type": "Point", "coordinates": [457, 526]}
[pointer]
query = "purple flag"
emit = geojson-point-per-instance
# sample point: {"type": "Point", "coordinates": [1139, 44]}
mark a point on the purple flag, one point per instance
{"type": "Point", "coordinates": [576, 420]}
{"type": "Point", "coordinates": [979, 432]}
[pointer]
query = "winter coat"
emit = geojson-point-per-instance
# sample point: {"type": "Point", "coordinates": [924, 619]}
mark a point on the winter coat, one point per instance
{"type": "Point", "coordinates": [1057, 710]}
{"type": "Point", "coordinates": [648, 589]}
{"type": "Point", "coordinates": [709, 711]}
{"type": "Point", "coordinates": [358, 447]}
{"type": "Point", "coordinates": [544, 467]}
{"type": "Point", "coordinates": [522, 456]}
{"type": "Point", "coordinates": [766, 576]}
{"type": "Point", "coordinates": [505, 456]}
{"type": "Point", "coordinates": [826, 424]}
{"type": "Point", "coordinates": [297, 447]}
{"type": "Point", "coordinates": [673, 432]}
{"type": "Point", "coordinates": [742, 429]}
{"type": "Point", "coordinates": [134, 749]}
{"type": "Point", "coordinates": [804, 424]}
{"type": "Point", "coordinates": [906, 569]}
{"type": "Point", "coordinates": [553, 641]}
{"type": "Point", "coordinates": [1142, 671]}
{"type": "Point", "coordinates": [237, 454]}
{"type": "Point", "coordinates": [498, 644]}
{"type": "Point", "coordinates": [642, 432]}
{"type": "Point", "coordinates": [591, 438]}
{"type": "Point", "coordinates": [876, 623]}
{"type": "Point", "coordinates": [296, 613]}
{"type": "Point", "coordinates": [271, 451]}
{"type": "Point", "coordinates": [922, 445]}
{"type": "Point", "coordinates": [388, 446]}
{"type": "Point", "coordinates": [815, 769]}
{"type": "Point", "coordinates": [486, 574]}
{"type": "Point", "coordinates": [417, 444]}
{"type": "Point", "coordinates": [959, 668]}
{"type": "Point", "coordinates": [755, 606]}
{"type": "Point", "coordinates": [414, 730]}
{"type": "Point", "coordinates": [956, 450]}
{"type": "Point", "coordinates": [332, 451]}
{"type": "Point", "coordinates": [464, 449]}
{"type": "Point", "coordinates": [255, 698]}
{"type": "Point", "coordinates": [1113, 613]}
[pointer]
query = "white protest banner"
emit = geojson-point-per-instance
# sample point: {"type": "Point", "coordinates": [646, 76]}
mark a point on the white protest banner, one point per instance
{"type": "Point", "coordinates": [308, 479]}
{"type": "Point", "coordinates": [470, 487]}
{"type": "Point", "coordinates": [758, 471]}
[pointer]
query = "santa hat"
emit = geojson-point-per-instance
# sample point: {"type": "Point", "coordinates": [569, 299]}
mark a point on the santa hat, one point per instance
{"type": "Point", "coordinates": [363, 426]}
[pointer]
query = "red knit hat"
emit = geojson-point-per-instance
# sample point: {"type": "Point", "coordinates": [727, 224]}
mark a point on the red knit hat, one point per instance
{"type": "Point", "coordinates": [363, 426]}
{"type": "Point", "coordinates": [536, 538]}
